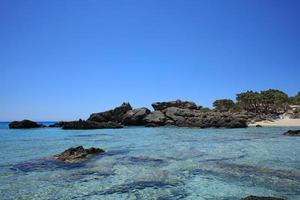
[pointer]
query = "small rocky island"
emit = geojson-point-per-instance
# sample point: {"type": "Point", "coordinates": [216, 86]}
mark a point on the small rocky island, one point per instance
{"type": "Point", "coordinates": [24, 124]}
{"type": "Point", "coordinates": [78, 154]}
{"type": "Point", "coordinates": [292, 133]}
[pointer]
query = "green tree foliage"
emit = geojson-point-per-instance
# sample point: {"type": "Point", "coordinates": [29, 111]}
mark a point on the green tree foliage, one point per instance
{"type": "Point", "coordinates": [268, 101]}
{"type": "Point", "coordinates": [295, 100]}
{"type": "Point", "coordinates": [223, 105]}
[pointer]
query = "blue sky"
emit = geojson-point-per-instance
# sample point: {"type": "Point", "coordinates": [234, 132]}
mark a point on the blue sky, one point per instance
{"type": "Point", "coordinates": [62, 60]}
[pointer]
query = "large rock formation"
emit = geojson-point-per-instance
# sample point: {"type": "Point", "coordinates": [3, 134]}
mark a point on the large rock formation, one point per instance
{"type": "Point", "coordinates": [24, 124]}
{"type": "Point", "coordinates": [82, 124]}
{"type": "Point", "coordinates": [261, 198]}
{"type": "Point", "coordinates": [178, 104]}
{"type": "Point", "coordinates": [135, 117]}
{"type": "Point", "coordinates": [155, 118]}
{"type": "Point", "coordinates": [77, 154]}
{"type": "Point", "coordinates": [114, 115]}
{"type": "Point", "coordinates": [292, 133]}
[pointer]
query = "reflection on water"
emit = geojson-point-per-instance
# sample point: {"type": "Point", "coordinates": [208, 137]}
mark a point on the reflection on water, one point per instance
{"type": "Point", "coordinates": [151, 163]}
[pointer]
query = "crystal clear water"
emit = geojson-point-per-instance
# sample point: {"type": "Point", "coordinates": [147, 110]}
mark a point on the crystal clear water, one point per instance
{"type": "Point", "coordinates": [151, 163]}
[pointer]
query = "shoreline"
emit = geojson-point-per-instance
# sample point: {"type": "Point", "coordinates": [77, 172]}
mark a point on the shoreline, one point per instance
{"type": "Point", "coordinates": [278, 123]}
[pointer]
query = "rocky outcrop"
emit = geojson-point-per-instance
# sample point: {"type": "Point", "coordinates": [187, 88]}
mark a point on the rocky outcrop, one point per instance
{"type": "Point", "coordinates": [261, 198]}
{"type": "Point", "coordinates": [24, 124]}
{"type": "Point", "coordinates": [292, 133]}
{"type": "Point", "coordinates": [57, 124]}
{"type": "Point", "coordinates": [78, 154]}
{"type": "Point", "coordinates": [135, 117]}
{"type": "Point", "coordinates": [178, 104]}
{"type": "Point", "coordinates": [114, 115]}
{"type": "Point", "coordinates": [82, 124]}
{"type": "Point", "coordinates": [155, 118]}
{"type": "Point", "coordinates": [196, 118]}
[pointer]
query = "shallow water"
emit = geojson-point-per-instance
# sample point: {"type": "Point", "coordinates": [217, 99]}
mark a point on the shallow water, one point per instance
{"type": "Point", "coordinates": [151, 163]}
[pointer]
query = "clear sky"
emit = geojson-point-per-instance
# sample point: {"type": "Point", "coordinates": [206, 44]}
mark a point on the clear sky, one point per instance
{"type": "Point", "coordinates": [63, 59]}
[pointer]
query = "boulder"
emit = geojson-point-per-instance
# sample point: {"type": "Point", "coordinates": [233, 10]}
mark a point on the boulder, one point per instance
{"type": "Point", "coordinates": [24, 124]}
{"type": "Point", "coordinates": [178, 104]}
{"type": "Point", "coordinates": [261, 198]}
{"type": "Point", "coordinates": [292, 133]}
{"type": "Point", "coordinates": [82, 124]}
{"type": "Point", "coordinates": [77, 154]}
{"type": "Point", "coordinates": [114, 115]}
{"type": "Point", "coordinates": [135, 116]}
{"type": "Point", "coordinates": [155, 118]}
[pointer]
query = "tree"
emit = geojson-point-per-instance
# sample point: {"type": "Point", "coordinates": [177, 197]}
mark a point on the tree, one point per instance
{"type": "Point", "coordinates": [249, 101]}
{"type": "Point", "coordinates": [269, 101]}
{"type": "Point", "coordinates": [295, 100]}
{"type": "Point", "coordinates": [223, 105]}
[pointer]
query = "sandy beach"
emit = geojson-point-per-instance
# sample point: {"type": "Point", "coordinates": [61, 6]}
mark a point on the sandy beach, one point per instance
{"type": "Point", "coordinates": [279, 122]}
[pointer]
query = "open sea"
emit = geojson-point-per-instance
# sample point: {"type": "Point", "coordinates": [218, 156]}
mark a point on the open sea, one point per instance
{"type": "Point", "coordinates": [151, 163]}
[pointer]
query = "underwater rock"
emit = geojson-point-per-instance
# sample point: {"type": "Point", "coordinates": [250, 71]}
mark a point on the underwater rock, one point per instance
{"type": "Point", "coordinates": [77, 154]}
{"type": "Point", "coordinates": [24, 124]}
{"type": "Point", "coordinates": [292, 133]}
{"type": "Point", "coordinates": [260, 198]}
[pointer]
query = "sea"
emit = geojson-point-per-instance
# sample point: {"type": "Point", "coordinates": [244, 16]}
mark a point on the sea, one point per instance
{"type": "Point", "coordinates": [163, 163]}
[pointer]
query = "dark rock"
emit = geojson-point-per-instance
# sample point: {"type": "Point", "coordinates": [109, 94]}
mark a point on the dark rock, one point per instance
{"type": "Point", "coordinates": [57, 124]}
{"type": "Point", "coordinates": [155, 118]}
{"type": "Point", "coordinates": [292, 133]}
{"type": "Point", "coordinates": [77, 154]}
{"type": "Point", "coordinates": [135, 116]}
{"type": "Point", "coordinates": [178, 104]}
{"type": "Point", "coordinates": [258, 126]}
{"type": "Point", "coordinates": [24, 124]}
{"type": "Point", "coordinates": [261, 198]}
{"type": "Point", "coordinates": [81, 124]}
{"type": "Point", "coordinates": [114, 115]}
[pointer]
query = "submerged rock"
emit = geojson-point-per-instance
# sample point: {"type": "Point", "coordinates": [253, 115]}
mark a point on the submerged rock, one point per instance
{"type": "Point", "coordinates": [292, 133]}
{"type": "Point", "coordinates": [24, 124]}
{"type": "Point", "coordinates": [82, 124]}
{"type": "Point", "coordinates": [261, 198]}
{"type": "Point", "coordinates": [114, 115]}
{"type": "Point", "coordinates": [178, 104]}
{"type": "Point", "coordinates": [77, 154]}
{"type": "Point", "coordinates": [135, 116]}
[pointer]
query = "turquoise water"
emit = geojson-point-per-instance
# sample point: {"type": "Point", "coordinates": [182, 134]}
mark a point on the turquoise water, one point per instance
{"type": "Point", "coordinates": [151, 163]}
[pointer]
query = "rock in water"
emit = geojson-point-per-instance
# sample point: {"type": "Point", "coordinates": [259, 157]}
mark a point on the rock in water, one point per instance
{"type": "Point", "coordinates": [114, 115]}
{"type": "Point", "coordinates": [155, 118]}
{"type": "Point", "coordinates": [178, 104]}
{"type": "Point", "coordinates": [78, 154]}
{"type": "Point", "coordinates": [261, 198]}
{"type": "Point", "coordinates": [135, 116]}
{"type": "Point", "coordinates": [292, 133]}
{"type": "Point", "coordinates": [25, 124]}
{"type": "Point", "coordinates": [82, 124]}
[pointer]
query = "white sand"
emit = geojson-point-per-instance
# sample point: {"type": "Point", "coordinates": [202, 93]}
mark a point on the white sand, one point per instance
{"type": "Point", "coordinates": [279, 122]}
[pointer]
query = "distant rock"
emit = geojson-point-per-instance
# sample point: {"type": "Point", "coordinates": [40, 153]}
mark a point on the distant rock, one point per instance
{"type": "Point", "coordinates": [57, 125]}
{"type": "Point", "coordinates": [178, 104]}
{"type": "Point", "coordinates": [114, 115]}
{"type": "Point", "coordinates": [292, 133]}
{"type": "Point", "coordinates": [77, 154]}
{"type": "Point", "coordinates": [135, 117]}
{"type": "Point", "coordinates": [155, 118]}
{"type": "Point", "coordinates": [82, 124]}
{"type": "Point", "coordinates": [261, 198]}
{"type": "Point", "coordinates": [24, 124]}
